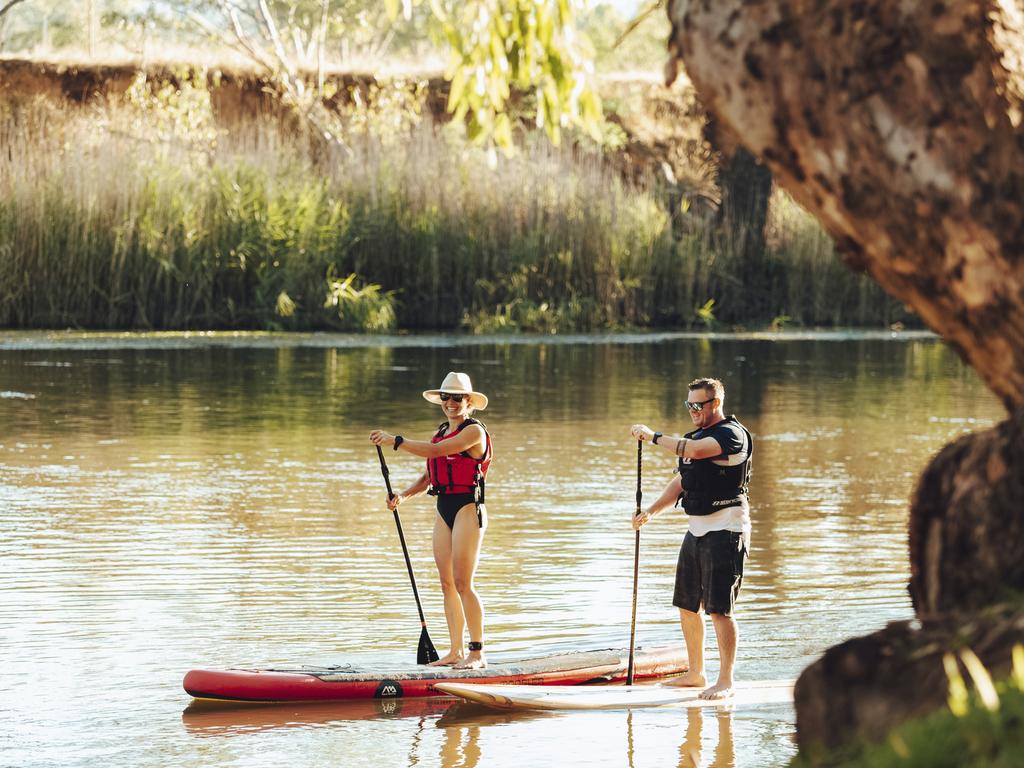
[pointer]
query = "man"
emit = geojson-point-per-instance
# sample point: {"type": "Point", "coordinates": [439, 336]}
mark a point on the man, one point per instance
{"type": "Point", "coordinates": [711, 485]}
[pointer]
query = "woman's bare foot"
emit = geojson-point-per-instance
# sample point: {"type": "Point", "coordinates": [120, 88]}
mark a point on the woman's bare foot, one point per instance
{"type": "Point", "coordinates": [689, 680]}
{"type": "Point", "coordinates": [475, 660]}
{"type": "Point", "coordinates": [450, 659]}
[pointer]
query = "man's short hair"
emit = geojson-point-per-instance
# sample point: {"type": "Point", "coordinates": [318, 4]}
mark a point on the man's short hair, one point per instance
{"type": "Point", "coordinates": [712, 386]}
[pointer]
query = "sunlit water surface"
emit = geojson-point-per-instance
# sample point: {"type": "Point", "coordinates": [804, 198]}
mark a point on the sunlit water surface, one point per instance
{"type": "Point", "coordinates": [171, 502]}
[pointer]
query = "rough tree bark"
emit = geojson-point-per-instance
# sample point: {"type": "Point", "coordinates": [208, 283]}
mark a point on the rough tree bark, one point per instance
{"type": "Point", "coordinates": [899, 126]}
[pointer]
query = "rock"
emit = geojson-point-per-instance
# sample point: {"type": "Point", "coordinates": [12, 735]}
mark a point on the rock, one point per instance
{"type": "Point", "coordinates": [863, 688]}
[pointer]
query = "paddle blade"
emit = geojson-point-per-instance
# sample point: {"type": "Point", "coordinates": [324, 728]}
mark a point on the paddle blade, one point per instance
{"type": "Point", "coordinates": [426, 653]}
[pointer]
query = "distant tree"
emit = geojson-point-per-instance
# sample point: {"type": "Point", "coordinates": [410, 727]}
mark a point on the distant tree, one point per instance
{"type": "Point", "coordinates": [526, 46]}
{"type": "Point", "coordinates": [51, 24]}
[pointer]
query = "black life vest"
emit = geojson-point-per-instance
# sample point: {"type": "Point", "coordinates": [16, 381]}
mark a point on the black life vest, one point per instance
{"type": "Point", "coordinates": [709, 487]}
{"type": "Point", "coordinates": [459, 472]}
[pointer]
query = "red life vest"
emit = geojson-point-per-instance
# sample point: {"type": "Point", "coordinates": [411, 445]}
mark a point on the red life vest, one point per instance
{"type": "Point", "coordinates": [459, 472]}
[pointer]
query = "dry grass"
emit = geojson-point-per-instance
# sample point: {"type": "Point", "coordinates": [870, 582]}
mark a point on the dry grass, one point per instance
{"type": "Point", "coordinates": [144, 214]}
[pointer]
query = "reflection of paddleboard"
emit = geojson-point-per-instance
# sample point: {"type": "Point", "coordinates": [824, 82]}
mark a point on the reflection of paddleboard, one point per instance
{"type": "Point", "coordinates": [220, 718]}
{"type": "Point", "coordinates": [615, 697]}
{"type": "Point", "coordinates": [408, 680]}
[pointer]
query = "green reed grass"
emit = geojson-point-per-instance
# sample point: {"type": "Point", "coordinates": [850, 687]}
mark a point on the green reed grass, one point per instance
{"type": "Point", "coordinates": [144, 215]}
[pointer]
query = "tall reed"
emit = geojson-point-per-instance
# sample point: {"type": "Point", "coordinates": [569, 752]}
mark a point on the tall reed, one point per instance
{"type": "Point", "coordinates": [146, 215]}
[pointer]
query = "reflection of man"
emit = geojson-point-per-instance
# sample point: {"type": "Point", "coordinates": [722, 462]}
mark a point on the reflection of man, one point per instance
{"type": "Point", "coordinates": [714, 469]}
{"type": "Point", "coordinates": [691, 748]}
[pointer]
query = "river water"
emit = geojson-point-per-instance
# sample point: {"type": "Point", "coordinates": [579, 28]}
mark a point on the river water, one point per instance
{"type": "Point", "coordinates": [173, 501]}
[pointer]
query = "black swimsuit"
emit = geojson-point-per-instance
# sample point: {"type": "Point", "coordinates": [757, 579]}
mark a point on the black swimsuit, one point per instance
{"type": "Point", "coordinates": [449, 504]}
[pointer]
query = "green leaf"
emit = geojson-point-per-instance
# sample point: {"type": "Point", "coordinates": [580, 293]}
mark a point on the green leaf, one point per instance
{"type": "Point", "coordinates": [501, 26]}
{"type": "Point", "coordinates": [545, 30]}
{"type": "Point", "coordinates": [498, 53]}
{"type": "Point", "coordinates": [474, 131]}
{"type": "Point", "coordinates": [438, 10]}
{"type": "Point", "coordinates": [503, 132]}
{"type": "Point", "coordinates": [457, 89]}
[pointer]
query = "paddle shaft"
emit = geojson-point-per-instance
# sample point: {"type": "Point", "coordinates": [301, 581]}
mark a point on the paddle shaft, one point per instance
{"type": "Point", "coordinates": [401, 536]}
{"type": "Point", "coordinates": [636, 561]}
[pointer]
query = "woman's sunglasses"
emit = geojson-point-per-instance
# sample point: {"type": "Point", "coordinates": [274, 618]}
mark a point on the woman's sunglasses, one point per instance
{"type": "Point", "coordinates": [446, 396]}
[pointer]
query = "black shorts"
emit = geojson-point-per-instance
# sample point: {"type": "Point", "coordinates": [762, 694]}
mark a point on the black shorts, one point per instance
{"type": "Point", "coordinates": [449, 504]}
{"type": "Point", "coordinates": [710, 572]}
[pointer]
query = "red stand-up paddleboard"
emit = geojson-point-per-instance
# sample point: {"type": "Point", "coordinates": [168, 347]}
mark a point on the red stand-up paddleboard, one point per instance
{"type": "Point", "coordinates": [349, 682]}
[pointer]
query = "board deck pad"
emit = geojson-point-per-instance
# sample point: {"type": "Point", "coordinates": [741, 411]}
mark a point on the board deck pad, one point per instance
{"type": "Point", "coordinates": [564, 697]}
{"type": "Point", "coordinates": [349, 681]}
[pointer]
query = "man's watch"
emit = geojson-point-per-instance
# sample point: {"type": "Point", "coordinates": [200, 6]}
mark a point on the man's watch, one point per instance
{"type": "Point", "coordinates": [656, 436]}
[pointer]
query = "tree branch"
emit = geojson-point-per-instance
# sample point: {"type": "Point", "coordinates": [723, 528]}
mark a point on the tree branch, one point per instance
{"type": "Point", "coordinates": [10, 4]}
{"type": "Point", "coordinates": [321, 45]}
{"type": "Point", "coordinates": [271, 28]}
{"type": "Point", "coordinates": [237, 45]}
{"type": "Point", "coordinates": [639, 19]}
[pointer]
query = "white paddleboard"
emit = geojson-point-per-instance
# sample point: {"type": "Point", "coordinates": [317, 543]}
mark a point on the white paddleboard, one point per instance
{"type": "Point", "coordinates": [615, 696]}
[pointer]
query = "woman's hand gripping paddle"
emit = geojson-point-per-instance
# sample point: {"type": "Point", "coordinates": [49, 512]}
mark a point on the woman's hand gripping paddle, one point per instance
{"type": "Point", "coordinates": [636, 562]}
{"type": "Point", "coordinates": [426, 652]}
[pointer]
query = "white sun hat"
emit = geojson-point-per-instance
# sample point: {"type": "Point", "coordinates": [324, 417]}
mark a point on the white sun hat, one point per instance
{"type": "Point", "coordinates": [457, 384]}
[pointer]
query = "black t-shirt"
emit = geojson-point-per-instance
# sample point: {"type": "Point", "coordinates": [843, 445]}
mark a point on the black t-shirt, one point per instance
{"type": "Point", "coordinates": [728, 434]}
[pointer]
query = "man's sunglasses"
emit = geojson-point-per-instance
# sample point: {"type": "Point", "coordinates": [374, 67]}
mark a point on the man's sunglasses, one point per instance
{"type": "Point", "coordinates": [446, 396]}
{"type": "Point", "coordinates": [695, 406]}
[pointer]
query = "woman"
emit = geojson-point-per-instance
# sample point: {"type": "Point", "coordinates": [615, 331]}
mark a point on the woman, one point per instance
{"type": "Point", "coordinates": [458, 456]}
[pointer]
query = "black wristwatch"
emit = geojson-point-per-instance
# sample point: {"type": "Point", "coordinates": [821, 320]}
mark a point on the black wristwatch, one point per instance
{"type": "Point", "coordinates": [398, 441]}
{"type": "Point", "coordinates": [656, 436]}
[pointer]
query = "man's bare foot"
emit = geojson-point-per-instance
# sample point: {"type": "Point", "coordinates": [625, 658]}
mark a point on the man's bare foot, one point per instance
{"type": "Point", "coordinates": [717, 691]}
{"type": "Point", "coordinates": [689, 680]}
{"type": "Point", "coordinates": [450, 659]}
{"type": "Point", "coordinates": [475, 660]}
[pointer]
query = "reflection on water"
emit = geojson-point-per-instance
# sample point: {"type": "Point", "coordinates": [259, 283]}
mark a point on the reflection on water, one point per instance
{"type": "Point", "coordinates": [453, 734]}
{"type": "Point", "coordinates": [215, 719]}
{"type": "Point", "coordinates": [172, 504]}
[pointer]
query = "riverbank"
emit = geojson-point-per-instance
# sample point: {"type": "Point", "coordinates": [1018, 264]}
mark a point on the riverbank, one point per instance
{"type": "Point", "coordinates": [145, 210]}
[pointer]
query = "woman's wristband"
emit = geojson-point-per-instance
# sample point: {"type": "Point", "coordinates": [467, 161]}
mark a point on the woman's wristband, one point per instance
{"type": "Point", "coordinates": [398, 441]}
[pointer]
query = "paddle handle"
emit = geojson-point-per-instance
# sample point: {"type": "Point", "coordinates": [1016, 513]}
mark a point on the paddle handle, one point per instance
{"type": "Point", "coordinates": [636, 562]}
{"type": "Point", "coordinates": [639, 473]}
{"type": "Point", "coordinates": [384, 471]}
{"type": "Point", "coordinates": [401, 536]}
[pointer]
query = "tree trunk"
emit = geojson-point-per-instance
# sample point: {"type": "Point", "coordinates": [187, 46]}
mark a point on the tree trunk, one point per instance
{"type": "Point", "coordinates": [899, 127]}
{"type": "Point", "coordinates": [92, 23]}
